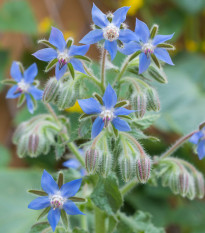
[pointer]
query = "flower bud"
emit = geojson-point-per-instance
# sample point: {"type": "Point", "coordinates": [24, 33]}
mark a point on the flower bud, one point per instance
{"type": "Point", "coordinates": [139, 103]}
{"type": "Point", "coordinates": [153, 102]}
{"type": "Point", "coordinates": [51, 90]}
{"type": "Point", "coordinates": [184, 182]}
{"type": "Point", "coordinates": [199, 183]}
{"type": "Point", "coordinates": [91, 160]}
{"type": "Point", "coordinates": [66, 97]}
{"type": "Point", "coordinates": [191, 192]}
{"type": "Point", "coordinates": [33, 143]}
{"type": "Point", "coordinates": [126, 168]}
{"type": "Point", "coordinates": [143, 168]}
{"type": "Point", "coordinates": [105, 164]}
{"type": "Point", "coordinates": [174, 182]}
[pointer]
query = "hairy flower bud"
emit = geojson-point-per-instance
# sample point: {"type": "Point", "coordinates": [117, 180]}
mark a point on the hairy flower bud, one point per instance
{"type": "Point", "coordinates": [199, 183]}
{"type": "Point", "coordinates": [66, 98]}
{"type": "Point", "coordinates": [33, 143]}
{"type": "Point", "coordinates": [51, 90]}
{"type": "Point", "coordinates": [91, 160]}
{"type": "Point", "coordinates": [126, 168]}
{"type": "Point", "coordinates": [139, 103]}
{"type": "Point", "coordinates": [184, 182]}
{"type": "Point", "coordinates": [191, 192]}
{"type": "Point", "coordinates": [174, 182]}
{"type": "Point", "coordinates": [153, 102]}
{"type": "Point", "coordinates": [143, 168]}
{"type": "Point", "coordinates": [105, 164]}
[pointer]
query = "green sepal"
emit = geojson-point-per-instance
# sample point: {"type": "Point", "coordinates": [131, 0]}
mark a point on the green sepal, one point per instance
{"type": "Point", "coordinates": [47, 43]}
{"type": "Point", "coordinates": [21, 67]}
{"type": "Point", "coordinates": [153, 31]}
{"type": "Point", "coordinates": [69, 42]}
{"type": "Point", "coordinates": [166, 46]}
{"type": "Point", "coordinates": [154, 58]}
{"type": "Point", "coordinates": [115, 131]}
{"type": "Point", "coordinates": [43, 213]}
{"type": "Point", "coordinates": [82, 58]}
{"type": "Point", "coordinates": [202, 125]}
{"type": "Point", "coordinates": [125, 117]}
{"type": "Point", "coordinates": [97, 27]}
{"type": "Point", "coordinates": [134, 55]}
{"type": "Point", "coordinates": [99, 98]}
{"type": "Point", "coordinates": [8, 82]}
{"type": "Point", "coordinates": [34, 101]}
{"type": "Point", "coordinates": [121, 104]}
{"type": "Point", "coordinates": [77, 199]}
{"type": "Point", "coordinates": [51, 64]}
{"type": "Point", "coordinates": [120, 43]}
{"type": "Point", "coordinates": [21, 100]}
{"type": "Point", "coordinates": [36, 83]}
{"type": "Point", "coordinates": [37, 192]}
{"type": "Point", "coordinates": [60, 179]}
{"type": "Point", "coordinates": [71, 69]}
{"type": "Point", "coordinates": [83, 116]}
{"type": "Point", "coordinates": [64, 218]}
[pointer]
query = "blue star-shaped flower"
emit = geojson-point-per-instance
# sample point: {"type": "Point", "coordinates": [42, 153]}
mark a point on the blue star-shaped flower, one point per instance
{"type": "Point", "coordinates": [109, 30]}
{"type": "Point", "coordinates": [147, 46]}
{"type": "Point", "coordinates": [63, 53]}
{"type": "Point", "coordinates": [24, 84]}
{"type": "Point", "coordinates": [106, 113]}
{"type": "Point", "coordinates": [57, 198]}
{"type": "Point", "coordinates": [199, 140]}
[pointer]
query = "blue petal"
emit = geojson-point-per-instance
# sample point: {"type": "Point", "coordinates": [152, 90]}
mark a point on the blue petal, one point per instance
{"type": "Point", "coordinates": [30, 104]}
{"type": "Point", "coordinates": [120, 124]}
{"type": "Point", "coordinates": [97, 127]}
{"type": "Point", "coordinates": [195, 137]}
{"type": "Point", "coordinates": [122, 111]}
{"type": "Point", "coordinates": [10, 93]}
{"type": "Point", "coordinates": [71, 208]}
{"type": "Point", "coordinates": [78, 50]}
{"type": "Point", "coordinates": [47, 54]}
{"type": "Point", "coordinates": [72, 163]}
{"type": "Point", "coordinates": [60, 72]}
{"type": "Point", "coordinates": [99, 18]}
{"type": "Point", "coordinates": [54, 217]}
{"type": "Point", "coordinates": [92, 37]}
{"type": "Point", "coordinates": [30, 73]}
{"type": "Point", "coordinates": [16, 72]}
{"type": "Point", "coordinates": [90, 106]}
{"type": "Point", "coordinates": [109, 97]}
{"type": "Point", "coordinates": [163, 55]}
{"type": "Point", "coordinates": [57, 39]}
{"type": "Point", "coordinates": [144, 62]}
{"type": "Point", "coordinates": [201, 149]}
{"type": "Point", "coordinates": [71, 188]}
{"type": "Point", "coordinates": [142, 31]}
{"type": "Point", "coordinates": [161, 38]}
{"type": "Point", "coordinates": [36, 93]}
{"type": "Point", "coordinates": [82, 172]}
{"type": "Point", "coordinates": [111, 47]}
{"type": "Point", "coordinates": [39, 203]}
{"type": "Point", "coordinates": [119, 16]}
{"type": "Point", "coordinates": [77, 65]}
{"type": "Point", "coordinates": [126, 35]}
{"type": "Point", "coordinates": [48, 184]}
{"type": "Point", "coordinates": [130, 48]}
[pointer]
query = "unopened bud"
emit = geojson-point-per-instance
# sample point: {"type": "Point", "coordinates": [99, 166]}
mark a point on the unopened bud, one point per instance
{"type": "Point", "coordinates": [66, 97]}
{"type": "Point", "coordinates": [174, 182]}
{"type": "Point", "coordinates": [105, 164]}
{"type": "Point", "coordinates": [199, 183]}
{"type": "Point", "coordinates": [143, 168]}
{"type": "Point", "coordinates": [139, 103]}
{"type": "Point", "coordinates": [184, 182]}
{"type": "Point", "coordinates": [157, 74]}
{"type": "Point", "coordinates": [51, 90]}
{"type": "Point", "coordinates": [91, 160]}
{"type": "Point", "coordinates": [33, 143]}
{"type": "Point", "coordinates": [153, 102]}
{"type": "Point", "coordinates": [126, 168]}
{"type": "Point", "coordinates": [191, 193]}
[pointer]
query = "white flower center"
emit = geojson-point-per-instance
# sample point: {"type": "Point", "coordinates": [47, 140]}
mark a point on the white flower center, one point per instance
{"type": "Point", "coordinates": [111, 32]}
{"type": "Point", "coordinates": [23, 86]}
{"type": "Point", "coordinates": [63, 58]}
{"type": "Point", "coordinates": [57, 201]}
{"type": "Point", "coordinates": [148, 48]}
{"type": "Point", "coordinates": [107, 116]}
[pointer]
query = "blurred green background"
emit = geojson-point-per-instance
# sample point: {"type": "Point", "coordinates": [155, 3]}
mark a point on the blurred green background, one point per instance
{"type": "Point", "coordinates": [22, 23]}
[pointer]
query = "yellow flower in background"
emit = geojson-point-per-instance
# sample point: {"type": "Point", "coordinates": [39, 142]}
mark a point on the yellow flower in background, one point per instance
{"type": "Point", "coordinates": [135, 5]}
{"type": "Point", "coordinates": [191, 45]}
{"type": "Point", "coordinates": [45, 25]}
{"type": "Point", "coordinates": [75, 108]}
{"type": "Point", "coordinates": [203, 46]}
{"type": "Point", "coordinates": [68, 34]}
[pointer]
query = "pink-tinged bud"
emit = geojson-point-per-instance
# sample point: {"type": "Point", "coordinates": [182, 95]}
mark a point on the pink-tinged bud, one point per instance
{"type": "Point", "coordinates": [105, 164]}
{"type": "Point", "coordinates": [199, 183]}
{"type": "Point", "coordinates": [191, 193]}
{"type": "Point", "coordinates": [153, 102]}
{"type": "Point", "coordinates": [51, 90]}
{"type": "Point", "coordinates": [33, 143]}
{"type": "Point", "coordinates": [174, 182]}
{"type": "Point", "coordinates": [184, 182]}
{"type": "Point", "coordinates": [126, 168]}
{"type": "Point", "coordinates": [143, 168]}
{"type": "Point", "coordinates": [91, 160]}
{"type": "Point", "coordinates": [139, 103]}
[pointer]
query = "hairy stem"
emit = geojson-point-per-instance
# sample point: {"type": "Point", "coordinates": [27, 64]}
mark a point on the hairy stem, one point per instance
{"type": "Point", "coordinates": [177, 144]}
{"type": "Point", "coordinates": [104, 56]}
{"type": "Point", "coordinates": [122, 71]}
{"type": "Point", "coordinates": [100, 218]}
{"type": "Point", "coordinates": [128, 186]}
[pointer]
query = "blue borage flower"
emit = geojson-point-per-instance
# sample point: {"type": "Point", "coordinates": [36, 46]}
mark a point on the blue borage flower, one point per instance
{"type": "Point", "coordinates": [57, 198]}
{"type": "Point", "coordinates": [63, 53]}
{"type": "Point", "coordinates": [106, 113]}
{"type": "Point", "coordinates": [24, 84]}
{"type": "Point", "coordinates": [147, 46]}
{"type": "Point", "coordinates": [75, 164]}
{"type": "Point", "coordinates": [199, 140]}
{"type": "Point", "coordinates": [110, 29]}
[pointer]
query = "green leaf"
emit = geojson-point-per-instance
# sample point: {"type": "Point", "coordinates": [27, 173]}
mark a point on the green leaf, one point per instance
{"type": "Point", "coordinates": [47, 43]}
{"type": "Point", "coordinates": [112, 223]}
{"type": "Point", "coordinates": [145, 122]}
{"type": "Point", "coordinates": [17, 16]}
{"type": "Point", "coordinates": [59, 149]}
{"type": "Point", "coordinates": [82, 58]}
{"type": "Point", "coordinates": [51, 64]}
{"type": "Point", "coordinates": [138, 134]}
{"type": "Point", "coordinates": [21, 100]}
{"type": "Point", "coordinates": [85, 128]}
{"type": "Point", "coordinates": [40, 227]}
{"type": "Point", "coordinates": [5, 157]}
{"type": "Point", "coordinates": [64, 218]}
{"type": "Point", "coordinates": [106, 195]}
{"type": "Point", "coordinates": [78, 230]}
{"type": "Point", "coordinates": [71, 69]}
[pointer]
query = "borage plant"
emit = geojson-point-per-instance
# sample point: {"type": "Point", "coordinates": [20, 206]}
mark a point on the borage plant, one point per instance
{"type": "Point", "coordinates": [112, 160]}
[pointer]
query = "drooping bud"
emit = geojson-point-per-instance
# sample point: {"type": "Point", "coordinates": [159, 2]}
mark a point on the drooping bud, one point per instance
{"type": "Point", "coordinates": [184, 183]}
{"type": "Point", "coordinates": [191, 192]}
{"type": "Point", "coordinates": [105, 164]}
{"type": "Point", "coordinates": [126, 168]}
{"type": "Point", "coordinates": [199, 183]}
{"type": "Point", "coordinates": [153, 102]}
{"type": "Point", "coordinates": [51, 90]}
{"type": "Point", "coordinates": [157, 74]}
{"type": "Point", "coordinates": [174, 182]}
{"type": "Point", "coordinates": [139, 103]}
{"type": "Point", "coordinates": [33, 143]}
{"type": "Point", "coordinates": [143, 168]}
{"type": "Point", "coordinates": [91, 160]}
